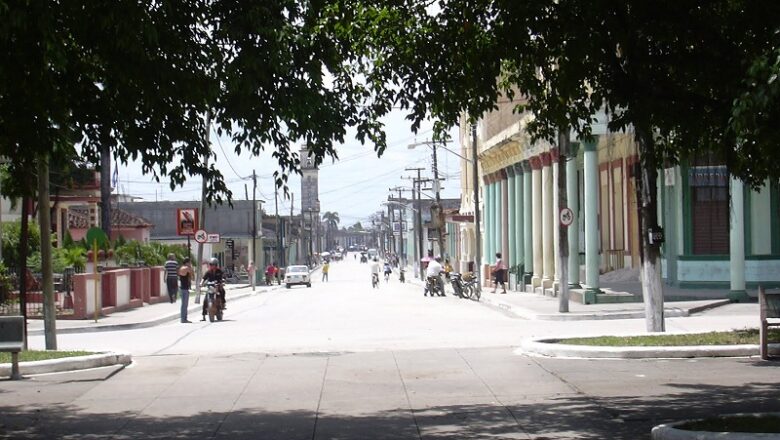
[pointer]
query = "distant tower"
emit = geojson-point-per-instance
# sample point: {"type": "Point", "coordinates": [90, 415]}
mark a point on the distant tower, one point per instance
{"type": "Point", "coordinates": [310, 200]}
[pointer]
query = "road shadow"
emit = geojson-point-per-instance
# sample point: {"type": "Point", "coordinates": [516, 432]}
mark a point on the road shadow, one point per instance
{"type": "Point", "coordinates": [538, 417]}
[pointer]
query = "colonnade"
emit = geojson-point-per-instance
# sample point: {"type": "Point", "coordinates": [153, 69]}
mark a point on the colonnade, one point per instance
{"type": "Point", "coordinates": [521, 218]}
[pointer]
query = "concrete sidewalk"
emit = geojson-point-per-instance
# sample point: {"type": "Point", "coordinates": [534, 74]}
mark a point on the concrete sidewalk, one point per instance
{"type": "Point", "coordinates": [141, 317]}
{"type": "Point", "coordinates": [545, 308]}
{"type": "Point", "coordinates": [532, 306]}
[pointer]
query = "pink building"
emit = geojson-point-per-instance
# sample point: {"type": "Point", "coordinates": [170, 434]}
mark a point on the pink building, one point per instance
{"type": "Point", "coordinates": [124, 224]}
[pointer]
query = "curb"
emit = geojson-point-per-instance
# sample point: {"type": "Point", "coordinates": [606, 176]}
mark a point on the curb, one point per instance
{"type": "Point", "coordinates": [550, 348]}
{"type": "Point", "coordinates": [672, 312]}
{"type": "Point", "coordinates": [143, 324]}
{"type": "Point", "coordinates": [69, 364]}
{"type": "Point", "coordinates": [670, 431]}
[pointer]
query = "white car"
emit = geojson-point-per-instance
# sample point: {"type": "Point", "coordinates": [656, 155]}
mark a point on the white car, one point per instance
{"type": "Point", "coordinates": [295, 275]}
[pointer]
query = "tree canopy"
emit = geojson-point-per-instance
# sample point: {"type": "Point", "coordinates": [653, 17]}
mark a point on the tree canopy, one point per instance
{"type": "Point", "coordinates": [144, 78]}
{"type": "Point", "coordinates": [699, 75]}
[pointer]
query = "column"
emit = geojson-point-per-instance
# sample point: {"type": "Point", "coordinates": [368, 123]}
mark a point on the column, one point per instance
{"type": "Point", "coordinates": [555, 216]}
{"type": "Point", "coordinates": [504, 215]}
{"type": "Point", "coordinates": [737, 241]}
{"type": "Point", "coordinates": [572, 199]}
{"type": "Point", "coordinates": [519, 212]}
{"type": "Point", "coordinates": [547, 222]}
{"type": "Point", "coordinates": [591, 177]}
{"type": "Point", "coordinates": [496, 217]}
{"type": "Point", "coordinates": [528, 231]}
{"type": "Point", "coordinates": [511, 257]}
{"type": "Point", "coordinates": [536, 197]}
{"type": "Point", "coordinates": [488, 206]}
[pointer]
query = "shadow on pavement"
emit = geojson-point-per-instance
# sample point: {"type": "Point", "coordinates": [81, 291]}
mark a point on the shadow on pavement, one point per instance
{"type": "Point", "coordinates": [538, 417]}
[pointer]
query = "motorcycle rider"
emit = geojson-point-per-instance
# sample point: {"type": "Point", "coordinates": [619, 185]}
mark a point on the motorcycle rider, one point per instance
{"type": "Point", "coordinates": [434, 270]}
{"type": "Point", "coordinates": [214, 274]}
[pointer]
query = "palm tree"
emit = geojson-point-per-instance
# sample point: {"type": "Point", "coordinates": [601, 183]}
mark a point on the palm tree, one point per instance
{"type": "Point", "coordinates": [332, 220]}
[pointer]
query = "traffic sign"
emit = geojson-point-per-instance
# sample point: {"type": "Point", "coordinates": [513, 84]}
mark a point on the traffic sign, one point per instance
{"type": "Point", "coordinates": [213, 238]}
{"type": "Point", "coordinates": [567, 217]}
{"type": "Point", "coordinates": [201, 236]}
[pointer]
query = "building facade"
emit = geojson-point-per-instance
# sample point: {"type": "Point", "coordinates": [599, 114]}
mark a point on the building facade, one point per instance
{"type": "Point", "coordinates": [719, 235]}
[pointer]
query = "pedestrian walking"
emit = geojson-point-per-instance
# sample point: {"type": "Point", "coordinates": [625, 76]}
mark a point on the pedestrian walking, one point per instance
{"type": "Point", "coordinates": [270, 272]}
{"type": "Point", "coordinates": [499, 273]}
{"type": "Point", "coordinates": [250, 270]}
{"type": "Point", "coordinates": [278, 274]}
{"type": "Point", "coordinates": [325, 269]}
{"type": "Point", "coordinates": [185, 279]}
{"type": "Point", "coordinates": [171, 281]}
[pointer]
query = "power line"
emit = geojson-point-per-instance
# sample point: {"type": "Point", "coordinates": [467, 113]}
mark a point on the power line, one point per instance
{"type": "Point", "coordinates": [226, 157]}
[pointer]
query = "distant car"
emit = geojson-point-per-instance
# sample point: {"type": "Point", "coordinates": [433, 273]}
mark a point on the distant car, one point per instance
{"type": "Point", "coordinates": [296, 275]}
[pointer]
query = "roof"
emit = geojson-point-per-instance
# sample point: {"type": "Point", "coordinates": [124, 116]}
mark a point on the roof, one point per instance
{"type": "Point", "coordinates": [78, 218]}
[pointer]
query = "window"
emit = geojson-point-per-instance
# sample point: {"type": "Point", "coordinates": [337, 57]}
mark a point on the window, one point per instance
{"type": "Point", "coordinates": [709, 210]}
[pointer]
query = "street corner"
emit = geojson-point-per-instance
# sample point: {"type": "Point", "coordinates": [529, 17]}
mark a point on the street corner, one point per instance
{"type": "Point", "coordinates": [75, 363]}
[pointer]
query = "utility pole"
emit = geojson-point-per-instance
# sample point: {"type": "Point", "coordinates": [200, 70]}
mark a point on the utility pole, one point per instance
{"type": "Point", "coordinates": [437, 204]}
{"type": "Point", "coordinates": [416, 185]}
{"type": "Point", "coordinates": [202, 211]}
{"type": "Point", "coordinates": [475, 185]}
{"type": "Point", "coordinates": [563, 233]}
{"type": "Point", "coordinates": [278, 229]}
{"type": "Point", "coordinates": [292, 205]}
{"type": "Point", "coordinates": [402, 212]}
{"type": "Point", "coordinates": [254, 227]}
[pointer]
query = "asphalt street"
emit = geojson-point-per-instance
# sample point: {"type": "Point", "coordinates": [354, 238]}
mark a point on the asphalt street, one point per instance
{"type": "Point", "coordinates": [341, 360]}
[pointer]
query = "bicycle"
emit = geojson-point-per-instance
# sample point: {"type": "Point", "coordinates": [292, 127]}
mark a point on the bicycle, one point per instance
{"type": "Point", "coordinates": [470, 288]}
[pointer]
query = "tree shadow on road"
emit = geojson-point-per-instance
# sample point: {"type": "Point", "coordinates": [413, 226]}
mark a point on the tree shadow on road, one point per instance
{"type": "Point", "coordinates": [557, 417]}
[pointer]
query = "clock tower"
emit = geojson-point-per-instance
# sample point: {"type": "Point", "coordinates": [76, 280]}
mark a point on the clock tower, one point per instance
{"type": "Point", "coordinates": [310, 201]}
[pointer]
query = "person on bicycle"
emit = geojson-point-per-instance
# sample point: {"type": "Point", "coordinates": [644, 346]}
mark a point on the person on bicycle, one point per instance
{"type": "Point", "coordinates": [434, 270]}
{"type": "Point", "coordinates": [375, 269]}
{"type": "Point", "coordinates": [214, 274]}
{"type": "Point", "coordinates": [388, 270]}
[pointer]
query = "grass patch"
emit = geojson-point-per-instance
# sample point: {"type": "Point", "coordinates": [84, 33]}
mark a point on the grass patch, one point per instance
{"type": "Point", "coordinates": [756, 424]}
{"type": "Point", "coordinates": [38, 355]}
{"type": "Point", "coordinates": [734, 337]}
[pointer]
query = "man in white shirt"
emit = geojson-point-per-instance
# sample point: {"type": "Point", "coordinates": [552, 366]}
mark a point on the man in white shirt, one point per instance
{"type": "Point", "coordinates": [376, 269]}
{"type": "Point", "coordinates": [434, 269]}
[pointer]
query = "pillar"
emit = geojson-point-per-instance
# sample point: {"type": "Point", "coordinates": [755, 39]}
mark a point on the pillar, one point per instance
{"type": "Point", "coordinates": [504, 215]}
{"type": "Point", "coordinates": [528, 231]}
{"type": "Point", "coordinates": [737, 242]}
{"type": "Point", "coordinates": [519, 220]}
{"type": "Point", "coordinates": [548, 256]}
{"type": "Point", "coordinates": [536, 197]}
{"type": "Point", "coordinates": [511, 257]}
{"type": "Point", "coordinates": [572, 199]}
{"type": "Point", "coordinates": [555, 216]}
{"type": "Point", "coordinates": [497, 239]}
{"type": "Point", "coordinates": [591, 177]}
{"type": "Point", "coordinates": [488, 209]}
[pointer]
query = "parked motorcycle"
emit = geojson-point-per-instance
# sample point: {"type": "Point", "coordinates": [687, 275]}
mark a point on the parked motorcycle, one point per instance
{"type": "Point", "coordinates": [214, 306]}
{"type": "Point", "coordinates": [456, 279]}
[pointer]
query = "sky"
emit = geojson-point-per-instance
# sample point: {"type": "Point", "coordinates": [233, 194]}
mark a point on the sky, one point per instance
{"type": "Point", "coordinates": [353, 186]}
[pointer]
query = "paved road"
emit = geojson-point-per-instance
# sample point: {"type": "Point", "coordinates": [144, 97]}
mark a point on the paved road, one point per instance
{"type": "Point", "coordinates": [342, 361]}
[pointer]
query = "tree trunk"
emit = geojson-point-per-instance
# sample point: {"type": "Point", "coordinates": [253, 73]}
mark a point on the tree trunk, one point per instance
{"type": "Point", "coordinates": [652, 289]}
{"type": "Point", "coordinates": [24, 243]}
{"type": "Point", "coordinates": [563, 231]}
{"type": "Point", "coordinates": [47, 281]}
{"type": "Point", "coordinates": [105, 189]}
